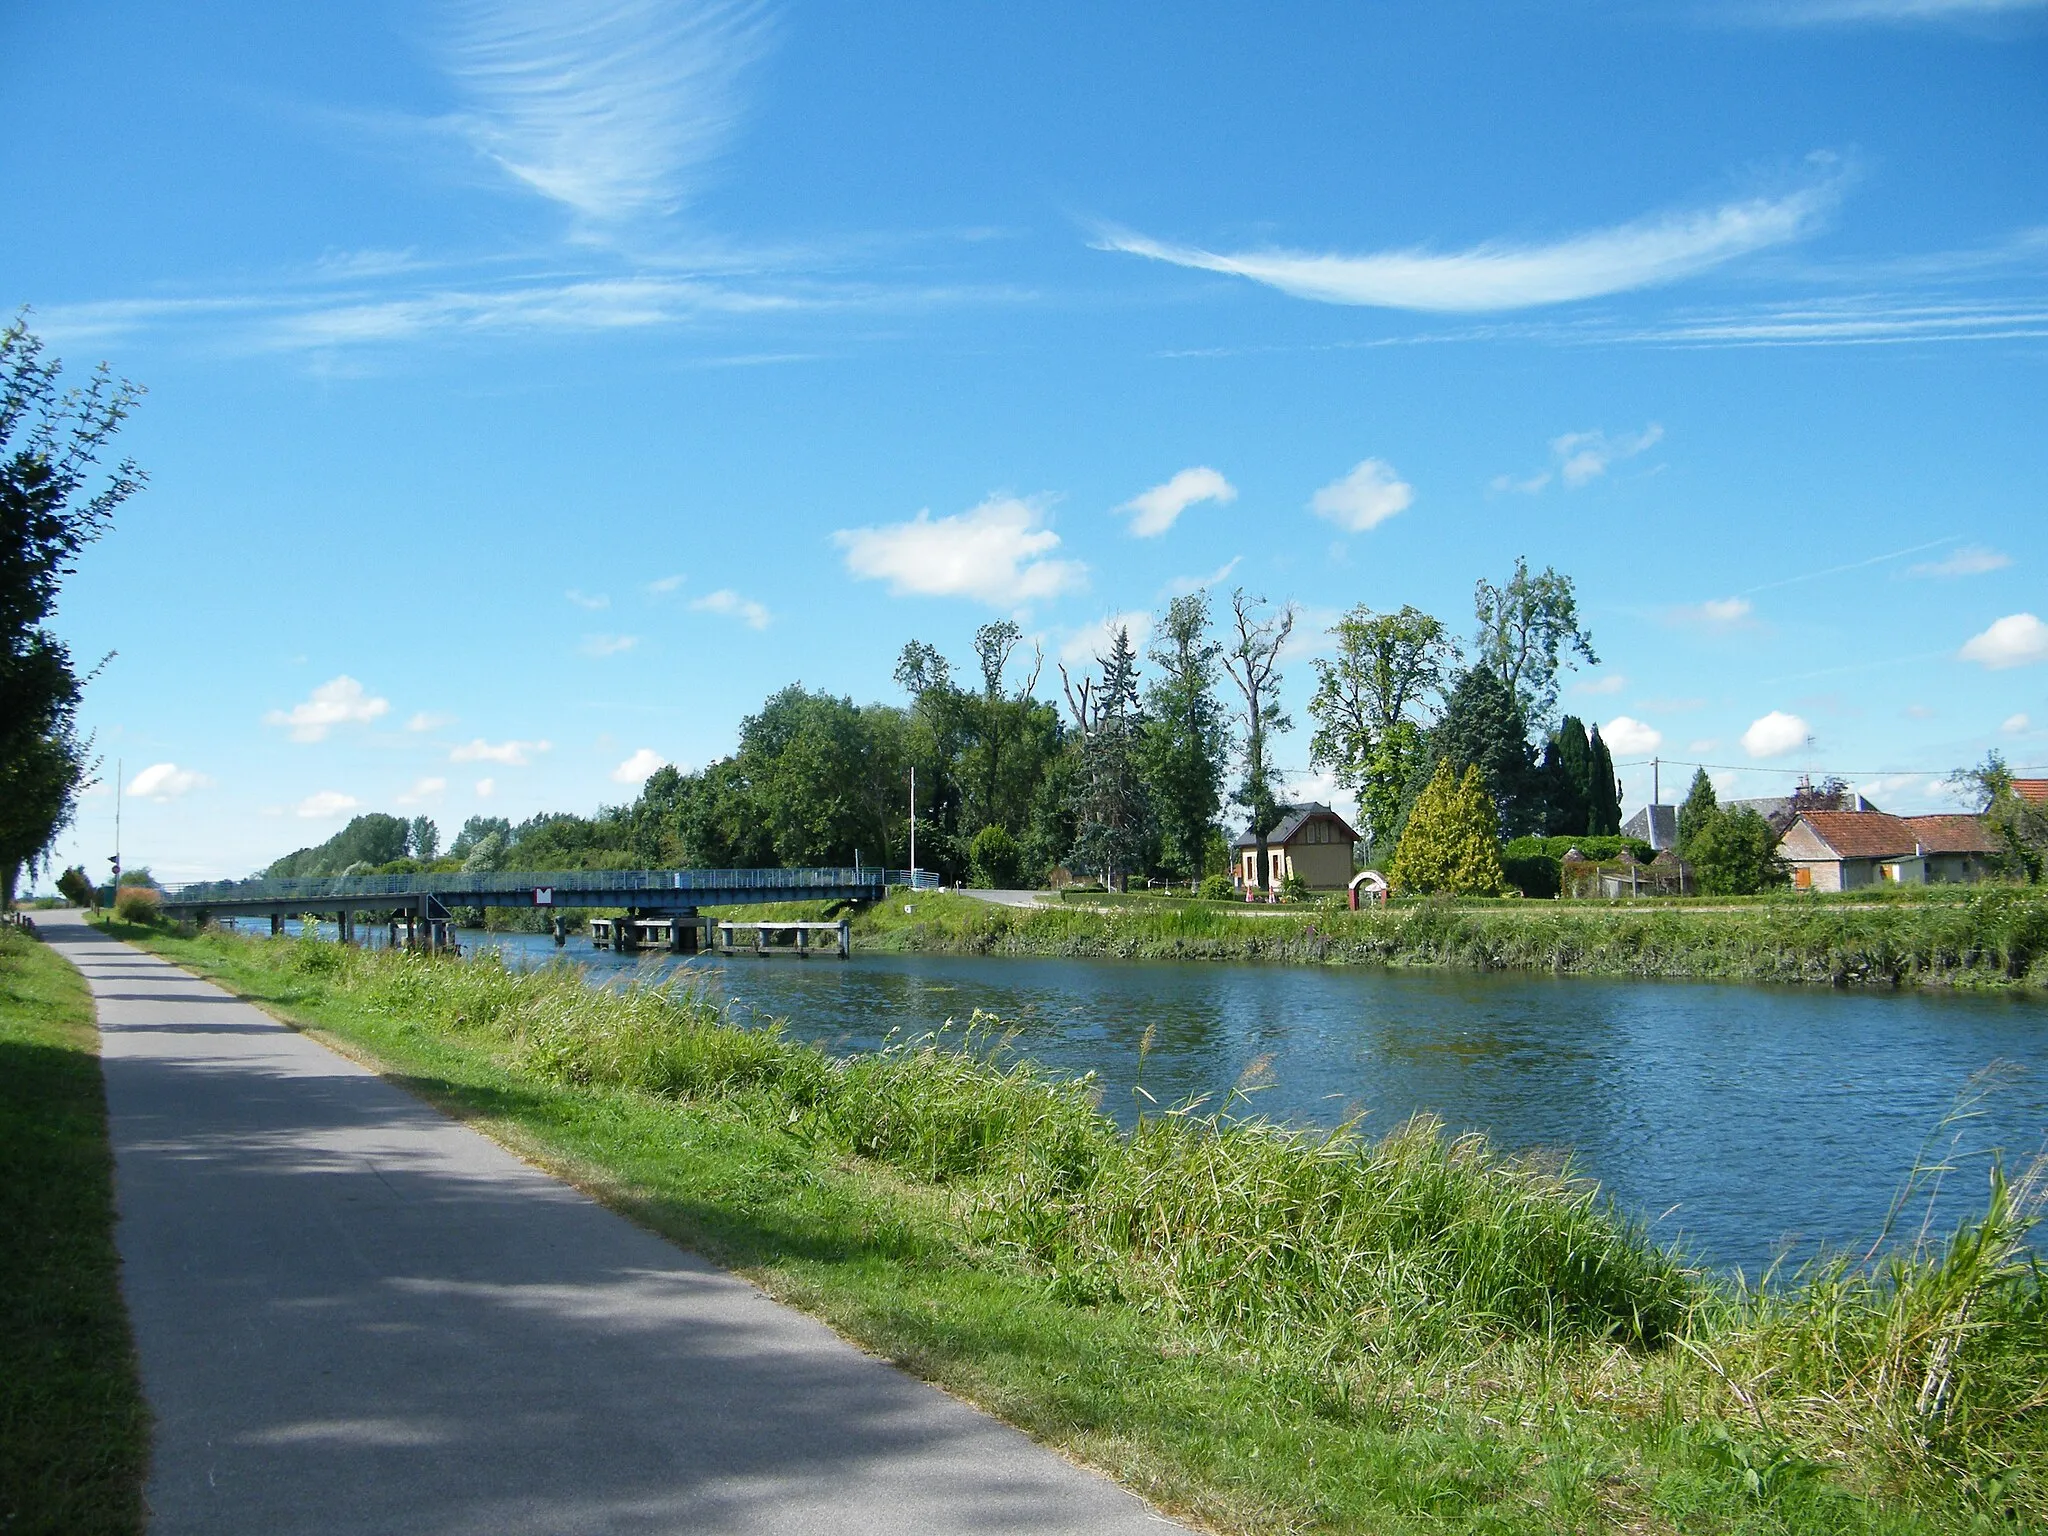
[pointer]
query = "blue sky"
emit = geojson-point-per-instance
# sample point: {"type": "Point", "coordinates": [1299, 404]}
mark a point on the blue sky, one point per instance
{"type": "Point", "coordinates": [534, 388]}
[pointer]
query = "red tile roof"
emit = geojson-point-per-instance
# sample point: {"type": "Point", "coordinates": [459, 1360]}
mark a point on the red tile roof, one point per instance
{"type": "Point", "coordinates": [2035, 790]}
{"type": "Point", "coordinates": [1879, 835]}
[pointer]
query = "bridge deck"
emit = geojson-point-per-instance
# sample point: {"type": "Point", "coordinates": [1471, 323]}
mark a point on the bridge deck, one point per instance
{"type": "Point", "coordinates": [660, 890]}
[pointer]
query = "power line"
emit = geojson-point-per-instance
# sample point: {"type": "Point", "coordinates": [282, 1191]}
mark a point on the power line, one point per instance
{"type": "Point", "coordinates": [1861, 773]}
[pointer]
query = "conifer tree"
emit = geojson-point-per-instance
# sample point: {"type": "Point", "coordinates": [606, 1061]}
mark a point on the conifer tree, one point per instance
{"type": "Point", "coordinates": [1700, 807]}
{"type": "Point", "coordinates": [1567, 775]}
{"type": "Point", "coordinates": [1112, 819]}
{"type": "Point", "coordinates": [1603, 790]}
{"type": "Point", "coordinates": [1451, 844]}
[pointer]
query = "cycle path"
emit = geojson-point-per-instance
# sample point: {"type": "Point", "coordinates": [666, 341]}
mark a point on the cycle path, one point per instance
{"type": "Point", "coordinates": [356, 1315]}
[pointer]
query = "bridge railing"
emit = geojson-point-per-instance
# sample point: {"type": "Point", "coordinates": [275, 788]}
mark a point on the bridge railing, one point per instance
{"type": "Point", "coordinates": [455, 885]}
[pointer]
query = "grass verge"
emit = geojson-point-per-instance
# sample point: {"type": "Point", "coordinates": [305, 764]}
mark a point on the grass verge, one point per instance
{"type": "Point", "coordinates": [74, 1434]}
{"type": "Point", "coordinates": [1264, 1330]}
{"type": "Point", "coordinates": [1996, 937]}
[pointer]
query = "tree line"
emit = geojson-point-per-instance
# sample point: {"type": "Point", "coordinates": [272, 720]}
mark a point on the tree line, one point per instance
{"type": "Point", "coordinates": [1131, 770]}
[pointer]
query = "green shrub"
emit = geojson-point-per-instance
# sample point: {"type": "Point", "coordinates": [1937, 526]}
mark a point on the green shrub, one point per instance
{"type": "Point", "coordinates": [994, 858]}
{"type": "Point", "coordinates": [1218, 888]}
{"type": "Point", "coordinates": [1598, 849]}
{"type": "Point", "coordinates": [1533, 874]}
{"type": "Point", "coordinates": [138, 904]}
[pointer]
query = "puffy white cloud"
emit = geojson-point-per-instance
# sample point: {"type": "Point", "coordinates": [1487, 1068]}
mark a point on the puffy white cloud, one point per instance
{"type": "Point", "coordinates": [590, 600]}
{"type": "Point", "coordinates": [728, 602]}
{"type": "Point", "coordinates": [426, 721]}
{"type": "Point", "coordinates": [607, 645]}
{"type": "Point", "coordinates": [2017, 640]}
{"type": "Point", "coordinates": [1970, 560]}
{"type": "Point", "coordinates": [1365, 498]}
{"type": "Point", "coordinates": [635, 769]}
{"type": "Point", "coordinates": [515, 754]}
{"type": "Point", "coordinates": [1631, 737]}
{"type": "Point", "coordinates": [327, 805]}
{"type": "Point", "coordinates": [1774, 735]}
{"type": "Point", "coordinates": [1093, 640]}
{"type": "Point", "coordinates": [485, 788]}
{"type": "Point", "coordinates": [2016, 725]}
{"type": "Point", "coordinates": [999, 552]}
{"type": "Point", "coordinates": [1496, 276]}
{"type": "Point", "coordinates": [163, 782]}
{"type": "Point", "coordinates": [340, 701]}
{"type": "Point", "coordinates": [1154, 511]}
{"type": "Point", "coordinates": [423, 790]}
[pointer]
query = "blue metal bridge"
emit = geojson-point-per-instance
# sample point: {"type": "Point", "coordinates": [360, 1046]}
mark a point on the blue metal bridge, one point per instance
{"type": "Point", "coordinates": [427, 900]}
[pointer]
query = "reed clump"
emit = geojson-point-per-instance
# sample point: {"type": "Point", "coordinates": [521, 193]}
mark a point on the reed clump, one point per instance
{"type": "Point", "coordinates": [1417, 1274]}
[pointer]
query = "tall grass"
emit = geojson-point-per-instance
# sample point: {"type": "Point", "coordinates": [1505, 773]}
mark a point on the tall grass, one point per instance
{"type": "Point", "coordinates": [1418, 1266]}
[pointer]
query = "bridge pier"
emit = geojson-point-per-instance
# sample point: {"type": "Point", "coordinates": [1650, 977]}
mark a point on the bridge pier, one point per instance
{"type": "Point", "coordinates": [277, 925]}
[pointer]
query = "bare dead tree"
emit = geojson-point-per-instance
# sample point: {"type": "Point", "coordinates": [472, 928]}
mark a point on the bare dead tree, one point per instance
{"type": "Point", "coordinates": [1252, 657]}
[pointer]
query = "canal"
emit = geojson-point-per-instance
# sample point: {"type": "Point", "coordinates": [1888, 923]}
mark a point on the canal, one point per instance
{"type": "Point", "coordinates": [1738, 1121]}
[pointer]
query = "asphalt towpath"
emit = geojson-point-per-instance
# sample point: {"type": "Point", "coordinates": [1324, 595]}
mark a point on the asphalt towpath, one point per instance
{"type": "Point", "coordinates": [357, 1315]}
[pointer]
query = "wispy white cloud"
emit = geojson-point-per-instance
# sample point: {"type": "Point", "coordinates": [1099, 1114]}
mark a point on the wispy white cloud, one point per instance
{"type": "Point", "coordinates": [590, 600]}
{"type": "Point", "coordinates": [728, 602]}
{"type": "Point", "coordinates": [423, 790]}
{"type": "Point", "coordinates": [164, 782]}
{"type": "Point", "coordinates": [2017, 640]}
{"type": "Point", "coordinates": [2016, 725]}
{"type": "Point", "coordinates": [607, 645]}
{"type": "Point", "coordinates": [1365, 498]}
{"type": "Point", "coordinates": [515, 754]}
{"type": "Point", "coordinates": [485, 788]}
{"type": "Point", "coordinates": [340, 701]}
{"type": "Point", "coordinates": [1581, 457]}
{"type": "Point", "coordinates": [662, 586]}
{"type": "Point", "coordinates": [1153, 512]}
{"type": "Point", "coordinates": [999, 552]}
{"type": "Point", "coordinates": [1970, 560]}
{"type": "Point", "coordinates": [1093, 640]}
{"type": "Point", "coordinates": [427, 720]}
{"type": "Point", "coordinates": [1613, 682]}
{"type": "Point", "coordinates": [1499, 276]}
{"type": "Point", "coordinates": [1181, 585]}
{"type": "Point", "coordinates": [1775, 734]}
{"type": "Point", "coordinates": [327, 805]}
{"type": "Point", "coordinates": [635, 769]}
{"type": "Point", "coordinates": [1715, 613]}
{"type": "Point", "coordinates": [1810, 13]}
{"type": "Point", "coordinates": [612, 109]}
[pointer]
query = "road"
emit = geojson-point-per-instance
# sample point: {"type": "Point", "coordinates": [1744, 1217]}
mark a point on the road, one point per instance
{"type": "Point", "coordinates": [356, 1315]}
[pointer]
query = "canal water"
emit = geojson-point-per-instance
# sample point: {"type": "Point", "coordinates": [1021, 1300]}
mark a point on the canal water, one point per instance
{"type": "Point", "coordinates": [1741, 1122]}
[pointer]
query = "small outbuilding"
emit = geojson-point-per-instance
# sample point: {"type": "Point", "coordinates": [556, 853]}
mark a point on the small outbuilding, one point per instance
{"type": "Point", "coordinates": [1311, 843]}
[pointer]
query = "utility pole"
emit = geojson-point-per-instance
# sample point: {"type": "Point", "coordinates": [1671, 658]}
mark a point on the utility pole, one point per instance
{"type": "Point", "coordinates": [913, 826]}
{"type": "Point", "coordinates": [117, 823]}
{"type": "Point", "coordinates": [1656, 781]}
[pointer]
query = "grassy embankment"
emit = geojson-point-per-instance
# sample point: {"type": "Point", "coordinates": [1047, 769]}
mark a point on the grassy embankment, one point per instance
{"type": "Point", "coordinates": [1269, 1331]}
{"type": "Point", "coordinates": [74, 1435]}
{"type": "Point", "coordinates": [1993, 937]}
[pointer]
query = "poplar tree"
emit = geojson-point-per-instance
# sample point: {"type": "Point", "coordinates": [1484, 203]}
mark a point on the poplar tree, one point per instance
{"type": "Point", "coordinates": [1451, 845]}
{"type": "Point", "coordinates": [1603, 790]}
{"type": "Point", "coordinates": [1567, 780]}
{"type": "Point", "coordinates": [1186, 737]}
{"type": "Point", "coordinates": [1252, 657]}
{"type": "Point", "coordinates": [1112, 819]}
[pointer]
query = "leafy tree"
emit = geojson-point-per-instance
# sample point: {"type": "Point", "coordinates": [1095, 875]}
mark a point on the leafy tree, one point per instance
{"type": "Point", "coordinates": [1112, 819]}
{"type": "Point", "coordinates": [1735, 853]}
{"type": "Point", "coordinates": [475, 830]}
{"type": "Point", "coordinates": [1252, 658]}
{"type": "Point", "coordinates": [1603, 789]}
{"type": "Point", "coordinates": [995, 857]}
{"type": "Point", "coordinates": [372, 839]}
{"type": "Point", "coordinates": [1483, 727]}
{"type": "Point", "coordinates": [2019, 825]}
{"type": "Point", "coordinates": [1527, 630]}
{"type": "Point", "coordinates": [1186, 737]}
{"type": "Point", "coordinates": [1701, 803]}
{"type": "Point", "coordinates": [75, 888]}
{"type": "Point", "coordinates": [1451, 844]}
{"type": "Point", "coordinates": [1367, 706]}
{"type": "Point", "coordinates": [486, 854]}
{"type": "Point", "coordinates": [424, 839]}
{"type": "Point", "coordinates": [50, 440]}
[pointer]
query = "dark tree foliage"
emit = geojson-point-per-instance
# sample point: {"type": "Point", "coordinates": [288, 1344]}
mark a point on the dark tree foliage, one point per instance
{"type": "Point", "coordinates": [423, 841]}
{"type": "Point", "coordinates": [475, 830]}
{"type": "Point", "coordinates": [1735, 853]}
{"type": "Point", "coordinates": [1603, 789]}
{"type": "Point", "coordinates": [1483, 727]}
{"type": "Point", "coordinates": [1567, 776]}
{"type": "Point", "coordinates": [1113, 822]}
{"type": "Point", "coordinates": [369, 839]}
{"type": "Point", "coordinates": [50, 442]}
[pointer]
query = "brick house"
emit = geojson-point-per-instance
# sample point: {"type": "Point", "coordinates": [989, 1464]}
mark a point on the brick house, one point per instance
{"type": "Point", "coordinates": [1846, 850]}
